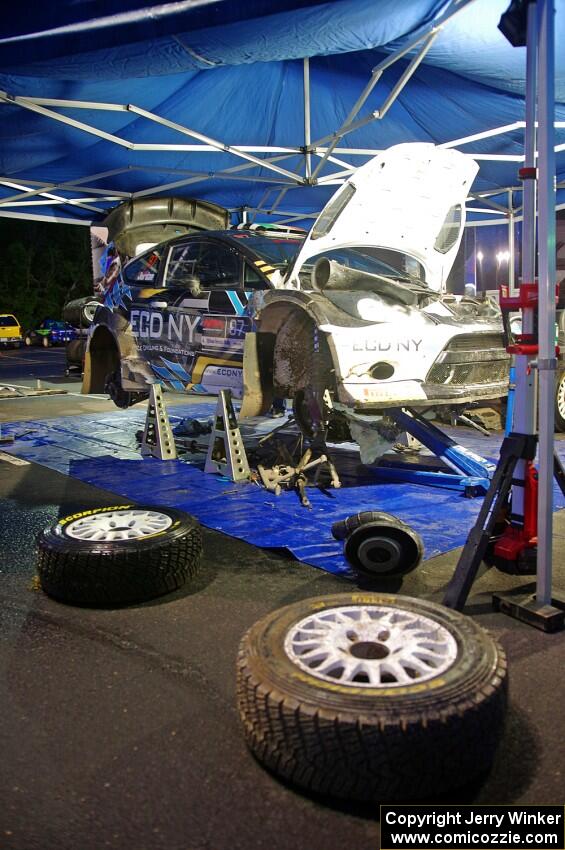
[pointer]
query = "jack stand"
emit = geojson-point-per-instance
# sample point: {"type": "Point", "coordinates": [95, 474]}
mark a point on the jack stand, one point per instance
{"type": "Point", "coordinates": [525, 607]}
{"type": "Point", "coordinates": [467, 471]}
{"type": "Point", "coordinates": [158, 440]}
{"type": "Point", "coordinates": [226, 453]}
{"type": "Point", "coordinates": [514, 448]}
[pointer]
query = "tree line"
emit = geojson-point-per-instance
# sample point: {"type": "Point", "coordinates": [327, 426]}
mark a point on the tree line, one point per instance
{"type": "Point", "coordinates": [43, 266]}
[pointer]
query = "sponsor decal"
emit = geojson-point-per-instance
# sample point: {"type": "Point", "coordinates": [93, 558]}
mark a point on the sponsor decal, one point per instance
{"type": "Point", "coordinates": [222, 343]}
{"type": "Point", "coordinates": [388, 345]}
{"type": "Point", "coordinates": [147, 324]}
{"type": "Point", "coordinates": [222, 377]}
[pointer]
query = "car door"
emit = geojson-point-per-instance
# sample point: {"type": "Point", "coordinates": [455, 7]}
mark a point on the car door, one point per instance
{"type": "Point", "coordinates": [172, 317]}
{"type": "Point", "coordinates": [224, 319]}
{"type": "Point", "coordinates": [190, 325]}
{"type": "Point", "coordinates": [139, 294]}
{"type": "Point", "coordinates": [213, 313]}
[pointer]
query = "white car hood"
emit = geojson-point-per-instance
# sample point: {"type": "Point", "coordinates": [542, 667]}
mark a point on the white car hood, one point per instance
{"type": "Point", "coordinates": [400, 201]}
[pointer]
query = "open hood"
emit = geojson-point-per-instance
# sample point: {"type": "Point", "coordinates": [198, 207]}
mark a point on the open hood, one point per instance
{"type": "Point", "coordinates": [410, 198]}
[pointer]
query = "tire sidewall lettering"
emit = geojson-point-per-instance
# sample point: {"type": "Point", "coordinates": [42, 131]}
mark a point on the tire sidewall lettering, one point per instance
{"type": "Point", "coordinates": [66, 520]}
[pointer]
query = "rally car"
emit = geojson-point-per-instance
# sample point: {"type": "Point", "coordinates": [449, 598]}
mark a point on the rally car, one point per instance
{"type": "Point", "coordinates": [351, 321]}
{"type": "Point", "coordinates": [50, 332]}
{"type": "Point", "coordinates": [180, 312]}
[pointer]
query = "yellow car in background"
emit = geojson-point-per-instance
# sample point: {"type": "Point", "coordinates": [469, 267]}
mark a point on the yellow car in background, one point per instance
{"type": "Point", "coordinates": [10, 331]}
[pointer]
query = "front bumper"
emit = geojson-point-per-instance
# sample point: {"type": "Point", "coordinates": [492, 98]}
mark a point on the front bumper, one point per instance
{"type": "Point", "coordinates": [368, 398]}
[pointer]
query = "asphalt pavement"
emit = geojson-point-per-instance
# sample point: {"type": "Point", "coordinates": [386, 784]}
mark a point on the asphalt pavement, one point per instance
{"type": "Point", "coordinates": [119, 727]}
{"type": "Point", "coordinates": [25, 366]}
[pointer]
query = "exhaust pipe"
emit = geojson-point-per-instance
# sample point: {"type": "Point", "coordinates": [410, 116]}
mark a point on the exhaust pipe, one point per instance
{"type": "Point", "coordinates": [330, 275]}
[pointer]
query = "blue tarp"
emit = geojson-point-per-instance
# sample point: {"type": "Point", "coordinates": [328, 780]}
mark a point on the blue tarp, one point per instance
{"type": "Point", "coordinates": [102, 450]}
{"type": "Point", "coordinates": [233, 71]}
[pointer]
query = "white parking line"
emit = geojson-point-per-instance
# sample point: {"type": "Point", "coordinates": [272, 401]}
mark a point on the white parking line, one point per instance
{"type": "Point", "coordinates": [16, 461]}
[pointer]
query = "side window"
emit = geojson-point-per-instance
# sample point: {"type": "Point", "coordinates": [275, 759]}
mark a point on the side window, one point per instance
{"type": "Point", "coordinates": [144, 269]}
{"type": "Point", "coordinates": [182, 264]}
{"type": "Point", "coordinates": [252, 279]}
{"type": "Point", "coordinates": [217, 266]}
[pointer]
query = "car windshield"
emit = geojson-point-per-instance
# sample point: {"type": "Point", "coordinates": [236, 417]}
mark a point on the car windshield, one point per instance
{"type": "Point", "coordinates": [377, 261]}
{"type": "Point", "coordinates": [279, 252]}
{"type": "Point", "coordinates": [53, 325]}
{"type": "Point", "coordinates": [8, 322]}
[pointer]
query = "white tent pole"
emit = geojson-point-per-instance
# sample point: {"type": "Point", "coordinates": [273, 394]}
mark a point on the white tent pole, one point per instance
{"type": "Point", "coordinates": [511, 244]}
{"type": "Point", "coordinates": [348, 127]}
{"type": "Point", "coordinates": [64, 119]}
{"type": "Point", "coordinates": [234, 169]}
{"type": "Point", "coordinates": [12, 185]}
{"type": "Point", "coordinates": [547, 277]}
{"type": "Point", "coordinates": [525, 404]}
{"type": "Point", "coordinates": [221, 146]}
{"type": "Point", "coordinates": [307, 137]}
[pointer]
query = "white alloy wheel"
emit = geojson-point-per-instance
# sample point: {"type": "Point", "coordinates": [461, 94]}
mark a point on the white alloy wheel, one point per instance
{"type": "Point", "coordinates": [118, 525]}
{"type": "Point", "coordinates": [371, 646]}
{"type": "Point", "coordinates": [118, 555]}
{"type": "Point", "coordinates": [371, 696]}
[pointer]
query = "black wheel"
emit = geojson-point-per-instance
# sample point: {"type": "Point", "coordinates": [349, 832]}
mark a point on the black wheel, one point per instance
{"type": "Point", "coordinates": [28, 340]}
{"type": "Point", "coordinates": [313, 415]}
{"type": "Point", "coordinates": [379, 545]}
{"type": "Point", "coordinates": [121, 398]}
{"type": "Point", "coordinates": [371, 696]}
{"type": "Point", "coordinates": [560, 402]}
{"type": "Point", "coordinates": [308, 378]}
{"type": "Point", "coordinates": [46, 342]}
{"type": "Point", "coordinates": [118, 555]}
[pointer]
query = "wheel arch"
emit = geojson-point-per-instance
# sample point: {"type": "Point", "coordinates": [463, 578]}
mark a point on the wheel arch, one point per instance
{"type": "Point", "coordinates": [102, 357]}
{"type": "Point", "coordinates": [267, 370]}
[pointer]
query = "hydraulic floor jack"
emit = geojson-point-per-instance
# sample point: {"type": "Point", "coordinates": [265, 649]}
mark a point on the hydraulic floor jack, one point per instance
{"type": "Point", "coordinates": [505, 533]}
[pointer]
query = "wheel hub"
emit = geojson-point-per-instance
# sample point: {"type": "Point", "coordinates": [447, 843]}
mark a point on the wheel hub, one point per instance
{"type": "Point", "coordinates": [118, 525]}
{"type": "Point", "coordinates": [379, 554]}
{"type": "Point", "coordinates": [371, 646]}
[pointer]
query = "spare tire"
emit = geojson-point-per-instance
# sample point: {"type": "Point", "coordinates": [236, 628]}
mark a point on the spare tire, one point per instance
{"type": "Point", "coordinates": [379, 546]}
{"type": "Point", "coordinates": [118, 555]}
{"type": "Point", "coordinates": [371, 696]}
{"type": "Point", "coordinates": [81, 311]}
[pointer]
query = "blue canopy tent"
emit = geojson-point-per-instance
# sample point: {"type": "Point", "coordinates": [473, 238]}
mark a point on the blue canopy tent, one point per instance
{"type": "Point", "coordinates": [262, 106]}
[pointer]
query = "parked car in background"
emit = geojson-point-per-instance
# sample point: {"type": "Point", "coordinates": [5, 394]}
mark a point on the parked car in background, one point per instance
{"type": "Point", "coordinates": [10, 331]}
{"type": "Point", "coordinates": [50, 332]}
